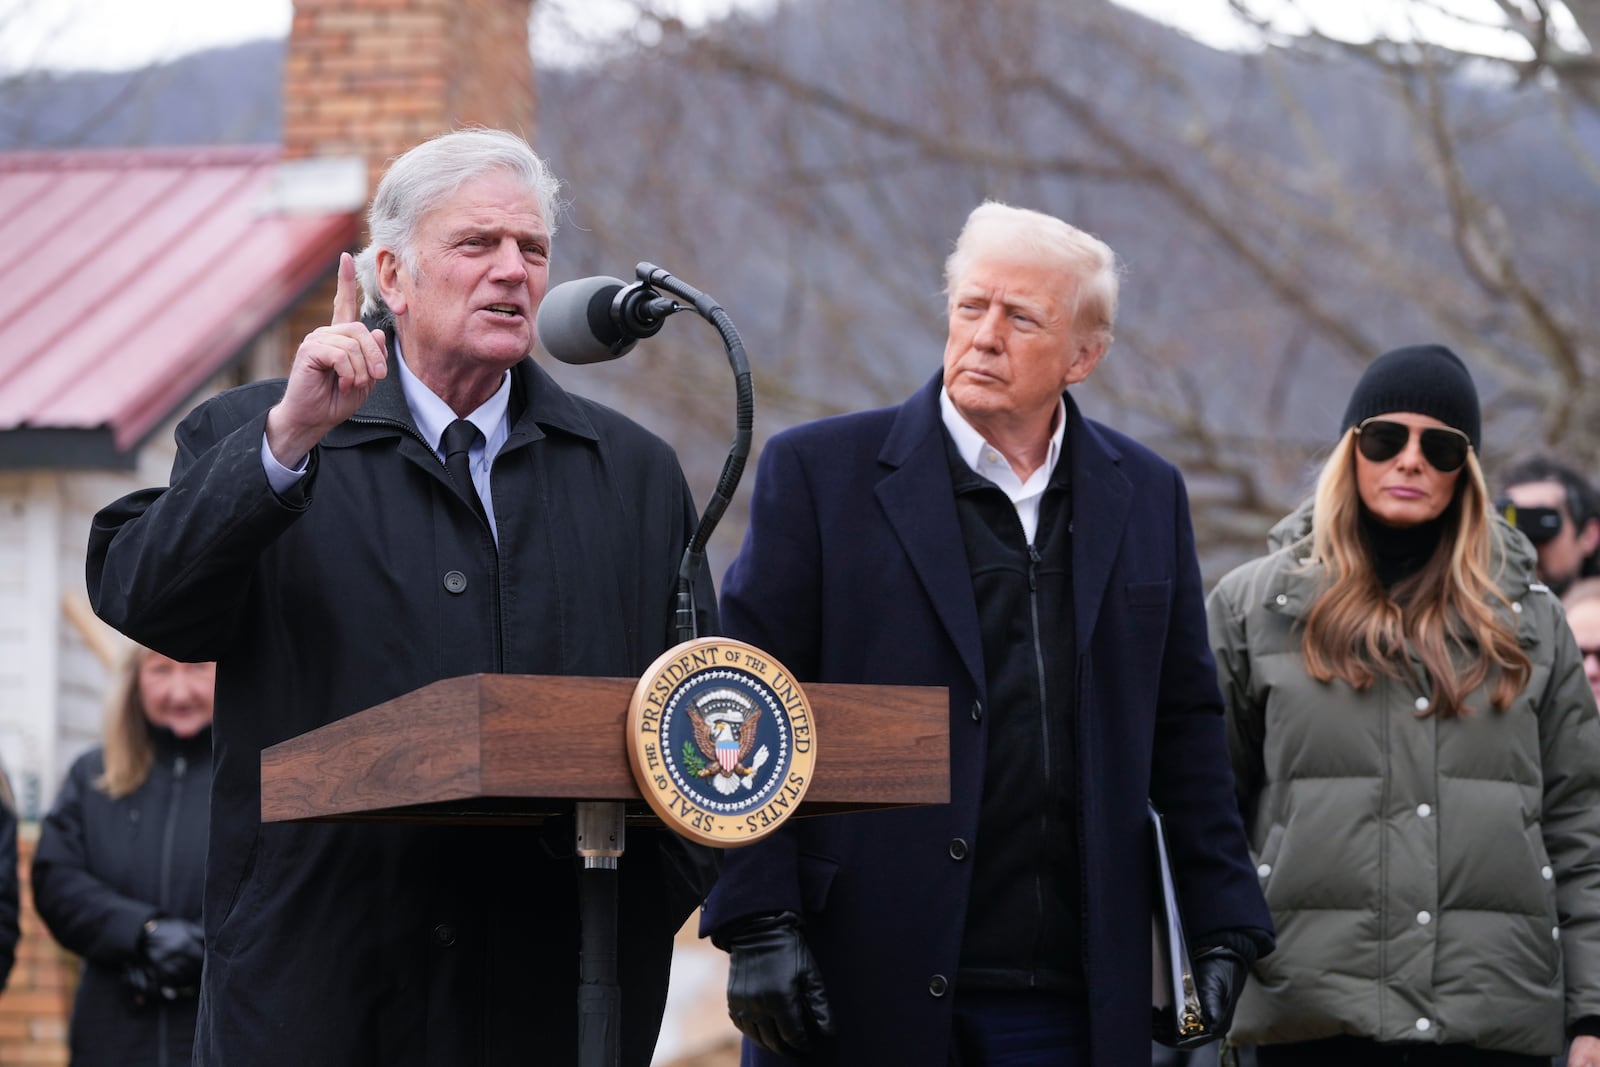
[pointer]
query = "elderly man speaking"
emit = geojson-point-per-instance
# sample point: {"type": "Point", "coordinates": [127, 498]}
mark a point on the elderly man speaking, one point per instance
{"type": "Point", "coordinates": [418, 500]}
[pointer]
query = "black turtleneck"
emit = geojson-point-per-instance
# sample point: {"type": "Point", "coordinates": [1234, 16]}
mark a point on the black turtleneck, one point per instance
{"type": "Point", "coordinates": [1398, 552]}
{"type": "Point", "coordinates": [168, 744]}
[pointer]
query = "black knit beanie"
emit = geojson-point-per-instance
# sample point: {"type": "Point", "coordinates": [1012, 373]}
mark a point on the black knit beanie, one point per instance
{"type": "Point", "coordinates": [1422, 379]}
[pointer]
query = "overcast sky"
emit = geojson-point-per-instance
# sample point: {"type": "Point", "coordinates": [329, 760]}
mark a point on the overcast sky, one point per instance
{"type": "Point", "coordinates": [109, 34]}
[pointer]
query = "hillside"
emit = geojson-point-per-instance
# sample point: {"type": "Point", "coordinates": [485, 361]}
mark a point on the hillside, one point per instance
{"type": "Point", "coordinates": [1281, 217]}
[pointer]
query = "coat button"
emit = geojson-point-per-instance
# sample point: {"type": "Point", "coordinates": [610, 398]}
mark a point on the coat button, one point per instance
{"type": "Point", "coordinates": [1263, 870]}
{"type": "Point", "coordinates": [958, 849]}
{"type": "Point", "coordinates": [1424, 810]}
{"type": "Point", "coordinates": [455, 582]}
{"type": "Point", "coordinates": [938, 985]}
{"type": "Point", "coordinates": [977, 711]}
{"type": "Point", "coordinates": [445, 934]}
{"type": "Point", "coordinates": [1421, 704]}
{"type": "Point", "coordinates": [1424, 1025]}
{"type": "Point", "coordinates": [1424, 918]}
{"type": "Point", "coordinates": [1546, 873]}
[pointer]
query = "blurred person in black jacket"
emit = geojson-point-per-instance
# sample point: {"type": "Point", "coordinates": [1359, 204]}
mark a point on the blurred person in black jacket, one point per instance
{"type": "Point", "coordinates": [120, 867]}
{"type": "Point", "coordinates": [9, 930]}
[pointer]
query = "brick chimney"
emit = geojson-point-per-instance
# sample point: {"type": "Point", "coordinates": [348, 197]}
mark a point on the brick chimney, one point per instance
{"type": "Point", "coordinates": [372, 78]}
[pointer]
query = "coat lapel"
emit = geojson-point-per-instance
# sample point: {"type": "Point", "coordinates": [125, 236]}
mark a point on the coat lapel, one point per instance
{"type": "Point", "coordinates": [1102, 500]}
{"type": "Point", "coordinates": [919, 502]}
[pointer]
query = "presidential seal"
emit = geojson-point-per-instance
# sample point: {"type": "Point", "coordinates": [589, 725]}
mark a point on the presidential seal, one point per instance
{"type": "Point", "coordinates": [721, 741]}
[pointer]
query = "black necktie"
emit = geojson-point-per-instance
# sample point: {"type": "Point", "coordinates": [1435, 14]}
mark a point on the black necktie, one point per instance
{"type": "Point", "coordinates": [458, 438]}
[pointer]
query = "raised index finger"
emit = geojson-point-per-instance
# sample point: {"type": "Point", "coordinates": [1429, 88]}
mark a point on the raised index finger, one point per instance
{"type": "Point", "coordinates": [346, 298]}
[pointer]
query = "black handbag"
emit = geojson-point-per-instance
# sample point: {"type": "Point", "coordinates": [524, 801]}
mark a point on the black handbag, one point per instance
{"type": "Point", "coordinates": [1176, 1020]}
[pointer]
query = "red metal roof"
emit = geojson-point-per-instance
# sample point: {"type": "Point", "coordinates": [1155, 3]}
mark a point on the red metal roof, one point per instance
{"type": "Point", "coordinates": [129, 278]}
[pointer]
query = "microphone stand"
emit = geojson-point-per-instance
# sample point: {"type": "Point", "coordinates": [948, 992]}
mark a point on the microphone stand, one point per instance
{"type": "Point", "coordinates": [600, 824]}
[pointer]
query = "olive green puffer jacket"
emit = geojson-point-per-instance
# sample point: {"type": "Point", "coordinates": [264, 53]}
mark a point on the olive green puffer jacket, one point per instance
{"type": "Point", "coordinates": [1431, 880]}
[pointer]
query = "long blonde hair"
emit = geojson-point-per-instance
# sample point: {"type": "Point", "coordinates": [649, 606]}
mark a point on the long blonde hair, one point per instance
{"type": "Point", "coordinates": [125, 734]}
{"type": "Point", "coordinates": [1355, 630]}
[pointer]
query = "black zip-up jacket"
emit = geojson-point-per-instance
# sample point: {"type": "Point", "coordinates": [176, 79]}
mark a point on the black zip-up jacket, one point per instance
{"type": "Point", "coordinates": [103, 867]}
{"type": "Point", "coordinates": [1025, 909]}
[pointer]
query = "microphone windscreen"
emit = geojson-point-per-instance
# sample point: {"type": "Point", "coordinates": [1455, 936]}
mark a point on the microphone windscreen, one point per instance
{"type": "Point", "coordinates": [574, 322]}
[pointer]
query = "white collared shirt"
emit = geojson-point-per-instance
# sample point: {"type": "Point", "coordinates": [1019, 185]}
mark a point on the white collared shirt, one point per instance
{"type": "Point", "coordinates": [987, 460]}
{"type": "Point", "coordinates": [431, 416]}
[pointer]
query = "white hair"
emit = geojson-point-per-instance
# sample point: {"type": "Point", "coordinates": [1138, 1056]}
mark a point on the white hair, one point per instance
{"type": "Point", "coordinates": [422, 178]}
{"type": "Point", "coordinates": [1087, 261]}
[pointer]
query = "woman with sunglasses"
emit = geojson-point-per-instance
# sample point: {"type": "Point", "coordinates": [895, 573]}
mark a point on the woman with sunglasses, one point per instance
{"type": "Point", "coordinates": [1417, 756]}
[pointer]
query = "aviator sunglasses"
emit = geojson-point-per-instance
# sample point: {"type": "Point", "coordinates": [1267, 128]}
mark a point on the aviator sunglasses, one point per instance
{"type": "Point", "coordinates": [1445, 449]}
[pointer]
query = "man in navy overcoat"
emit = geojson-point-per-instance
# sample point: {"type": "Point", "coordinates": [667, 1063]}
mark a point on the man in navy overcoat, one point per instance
{"type": "Point", "coordinates": [985, 536]}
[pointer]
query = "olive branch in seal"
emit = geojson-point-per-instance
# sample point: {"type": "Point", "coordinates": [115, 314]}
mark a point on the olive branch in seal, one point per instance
{"type": "Point", "coordinates": [692, 760]}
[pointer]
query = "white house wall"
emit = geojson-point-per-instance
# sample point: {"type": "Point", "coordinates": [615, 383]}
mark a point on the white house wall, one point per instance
{"type": "Point", "coordinates": [28, 631]}
{"type": "Point", "coordinates": [81, 674]}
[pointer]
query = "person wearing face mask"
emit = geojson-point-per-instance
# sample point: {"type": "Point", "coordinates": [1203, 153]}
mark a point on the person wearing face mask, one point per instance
{"type": "Point", "coordinates": [1416, 754]}
{"type": "Point", "coordinates": [120, 865]}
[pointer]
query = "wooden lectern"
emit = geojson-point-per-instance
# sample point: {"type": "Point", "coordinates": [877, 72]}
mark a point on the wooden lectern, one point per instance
{"type": "Point", "coordinates": [492, 747]}
{"type": "Point", "coordinates": [519, 748]}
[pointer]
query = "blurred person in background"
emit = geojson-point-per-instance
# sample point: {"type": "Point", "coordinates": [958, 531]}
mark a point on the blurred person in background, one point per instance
{"type": "Point", "coordinates": [1417, 756]}
{"type": "Point", "coordinates": [120, 866]}
{"type": "Point", "coordinates": [1582, 602]}
{"type": "Point", "coordinates": [10, 930]}
{"type": "Point", "coordinates": [1556, 507]}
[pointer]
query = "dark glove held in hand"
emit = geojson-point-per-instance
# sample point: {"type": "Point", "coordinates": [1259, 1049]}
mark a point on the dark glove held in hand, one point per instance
{"type": "Point", "coordinates": [775, 994]}
{"type": "Point", "coordinates": [1219, 975]}
{"type": "Point", "coordinates": [139, 985]}
{"type": "Point", "coordinates": [175, 949]}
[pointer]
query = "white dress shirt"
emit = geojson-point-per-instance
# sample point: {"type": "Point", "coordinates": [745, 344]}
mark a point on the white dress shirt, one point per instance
{"type": "Point", "coordinates": [988, 461]}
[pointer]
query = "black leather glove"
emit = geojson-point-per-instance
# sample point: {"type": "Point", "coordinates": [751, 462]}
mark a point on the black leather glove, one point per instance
{"type": "Point", "coordinates": [775, 994]}
{"type": "Point", "coordinates": [174, 949]}
{"type": "Point", "coordinates": [1219, 974]}
{"type": "Point", "coordinates": [139, 985]}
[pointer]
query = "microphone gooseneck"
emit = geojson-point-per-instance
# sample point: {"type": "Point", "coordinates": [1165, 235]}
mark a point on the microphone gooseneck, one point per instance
{"type": "Point", "coordinates": [592, 320]}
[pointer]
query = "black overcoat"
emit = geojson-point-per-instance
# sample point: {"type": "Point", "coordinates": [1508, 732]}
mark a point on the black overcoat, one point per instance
{"type": "Point", "coordinates": [853, 570]}
{"type": "Point", "coordinates": [362, 945]}
{"type": "Point", "coordinates": [102, 867]}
